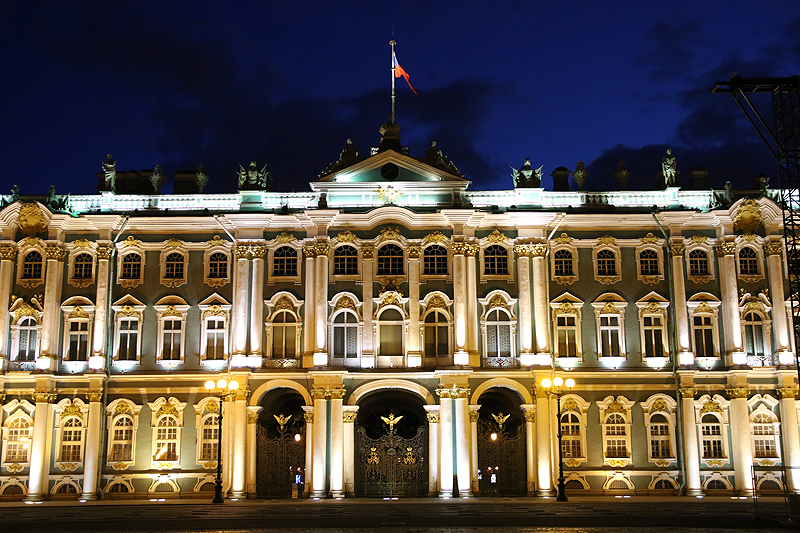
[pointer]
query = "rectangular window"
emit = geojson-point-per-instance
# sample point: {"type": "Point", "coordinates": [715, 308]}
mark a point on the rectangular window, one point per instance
{"type": "Point", "coordinates": [122, 448]}
{"type": "Point", "coordinates": [567, 335]}
{"type": "Point", "coordinates": [171, 350]}
{"type": "Point", "coordinates": [208, 452]}
{"type": "Point", "coordinates": [616, 448]}
{"type": "Point", "coordinates": [128, 339]}
{"type": "Point", "coordinates": [78, 341]}
{"type": "Point", "coordinates": [167, 444]}
{"type": "Point", "coordinates": [71, 446]}
{"type": "Point", "coordinates": [653, 336]}
{"type": "Point", "coordinates": [659, 441]}
{"type": "Point", "coordinates": [703, 337]}
{"type": "Point", "coordinates": [712, 441]}
{"type": "Point", "coordinates": [609, 336]}
{"type": "Point", "coordinates": [215, 338]}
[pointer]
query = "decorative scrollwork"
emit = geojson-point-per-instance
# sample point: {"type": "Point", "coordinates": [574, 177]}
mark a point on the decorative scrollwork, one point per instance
{"type": "Point", "coordinates": [496, 237]}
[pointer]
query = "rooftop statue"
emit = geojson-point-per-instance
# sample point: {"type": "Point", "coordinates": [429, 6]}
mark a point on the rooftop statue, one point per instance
{"type": "Point", "coordinates": [580, 175]}
{"type": "Point", "coordinates": [622, 175]}
{"type": "Point", "coordinates": [253, 179]}
{"type": "Point", "coordinates": [349, 156]}
{"type": "Point", "coordinates": [54, 202]}
{"type": "Point", "coordinates": [110, 172]}
{"type": "Point", "coordinates": [435, 158]}
{"type": "Point", "coordinates": [669, 170]}
{"type": "Point", "coordinates": [157, 178]}
{"type": "Point", "coordinates": [526, 176]}
{"type": "Point", "coordinates": [202, 178]}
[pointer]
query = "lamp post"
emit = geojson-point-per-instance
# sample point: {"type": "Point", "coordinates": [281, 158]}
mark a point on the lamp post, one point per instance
{"type": "Point", "coordinates": [554, 386]}
{"type": "Point", "coordinates": [222, 389]}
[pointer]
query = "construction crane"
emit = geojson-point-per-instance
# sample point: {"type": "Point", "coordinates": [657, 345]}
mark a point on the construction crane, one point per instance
{"type": "Point", "coordinates": [783, 140]}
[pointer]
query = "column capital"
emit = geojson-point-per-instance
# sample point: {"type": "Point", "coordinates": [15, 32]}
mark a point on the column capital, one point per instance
{"type": "Point", "coordinates": [252, 417]}
{"type": "Point", "coordinates": [471, 250]}
{"type": "Point", "coordinates": [414, 251]}
{"type": "Point", "coordinates": [433, 417]}
{"type": "Point", "coordinates": [522, 250]}
{"type": "Point", "coordinates": [321, 249]}
{"type": "Point", "coordinates": [104, 252]}
{"type": "Point", "coordinates": [250, 251]}
{"type": "Point", "coordinates": [349, 417]}
{"type": "Point", "coordinates": [94, 396]}
{"type": "Point", "coordinates": [44, 396]}
{"type": "Point", "coordinates": [55, 251]}
{"type": "Point", "coordinates": [459, 247]}
{"type": "Point", "coordinates": [473, 415]}
{"type": "Point", "coordinates": [453, 392]}
{"type": "Point", "coordinates": [677, 248]}
{"type": "Point", "coordinates": [737, 392]}
{"type": "Point", "coordinates": [688, 392]}
{"type": "Point", "coordinates": [726, 248]}
{"type": "Point", "coordinates": [7, 253]}
{"type": "Point", "coordinates": [788, 392]}
{"type": "Point", "coordinates": [773, 248]}
{"type": "Point", "coordinates": [308, 417]}
{"type": "Point", "coordinates": [367, 251]}
{"type": "Point", "coordinates": [241, 394]}
{"type": "Point", "coordinates": [319, 393]}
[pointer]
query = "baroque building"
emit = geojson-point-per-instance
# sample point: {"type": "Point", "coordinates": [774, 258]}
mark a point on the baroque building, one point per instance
{"type": "Point", "coordinates": [389, 331]}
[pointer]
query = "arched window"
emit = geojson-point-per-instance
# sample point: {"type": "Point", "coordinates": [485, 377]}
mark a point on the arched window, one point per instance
{"type": "Point", "coordinates": [209, 437]}
{"type": "Point", "coordinates": [28, 341]}
{"type": "Point", "coordinates": [664, 484]}
{"type": "Point", "coordinates": [131, 266]}
{"type": "Point", "coordinates": [117, 488]}
{"type": "Point", "coordinates": [18, 437]}
{"type": "Point", "coordinates": [571, 435]}
{"type": "Point", "coordinates": [32, 265]}
{"type": "Point", "coordinates": [345, 335]}
{"type": "Point", "coordinates": [390, 333]}
{"type": "Point", "coordinates": [121, 439]}
{"type": "Point", "coordinates": [648, 263]}
{"type": "Point", "coordinates": [71, 440]}
{"type": "Point", "coordinates": [218, 265]}
{"type": "Point", "coordinates": [698, 263]}
{"type": "Point", "coordinates": [82, 268]}
{"type": "Point", "coordinates": [173, 268]}
{"type": "Point", "coordinates": [711, 431]}
{"type": "Point", "coordinates": [284, 335]}
{"type": "Point", "coordinates": [606, 263]}
{"type": "Point", "coordinates": [495, 260]}
{"type": "Point", "coordinates": [563, 263]}
{"type": "Point", "coordinates": [166, 439]}
{"type": "Point", "coordinates": [748, 261]}
{"type": "Point", "coordinates": [660, 441]}
{"type": "Point", "coordinates": [390, 260]}
{"type": "Point", "coordinates": [434, 260]}
{"type": "Point", "coordinates": [498, 334]}
{"type": "Point", "coordinates": [763, 436]}
{"type": "Point", "coordinates": [437, 336]}
{"type": "Point", "coordinates": [345, 261]}
{"type": "Point", "coordinates": [284, 261]}
{"type": "Point", "coordinates": [615, 433]}
{"type": "Point", "coordinates": [66, 488]}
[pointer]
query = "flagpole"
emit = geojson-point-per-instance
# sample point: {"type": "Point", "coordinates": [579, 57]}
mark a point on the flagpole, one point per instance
{"type": "Point", "coordinates": [392, 43]}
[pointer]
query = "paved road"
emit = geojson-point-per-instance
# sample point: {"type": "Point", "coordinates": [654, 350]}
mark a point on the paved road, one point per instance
{"type": "Point", "coordinates": [409, 515]}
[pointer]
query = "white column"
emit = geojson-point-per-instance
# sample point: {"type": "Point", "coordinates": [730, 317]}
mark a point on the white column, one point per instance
{"type": "Point", "coordinates": [257, 304]}
{"type": "Point", "coordinates": [541, 315]}
{"type": "Point", "coordinates": [734, 355]}
{"type": "Point", "coordinates": [473, 339]}
{"type": "Point", "coordinates": [524, 304]}
{"type": "Point", "coordinates": [529, 414]}
{"type": "Point", "coordinates": [544, 467]}
{"type": "Point", "coordinates": [683, 345]}
{"type": "Point", "coordinates": [7, 256]}
{"type": "Point", "coordinates": [413, 339]}
{"type": "Point", "coordinates": [349, 416]}
{"type": "Point", "coordinates": [239, 445]}
{"type": "Point", "coordinates": [461, 357]}
{"type": "Point", "coordinates": [474, 413]}
{"type": "Point", "coordinates": [308, 416]}
{"type": "Point", "coordinates": [432, 414]}
{"type": "Point", "coordinates": [789, 432]}
{"type": "Point", "coordinates": [691, 450]}
{"type": "Point", "coordinates": [252, 450]}
{"type": "Point", "coordinates": [52, 305]}
{"type": "Point", "coordinates": [740, 436]}
{"type": "Point", "coordinates": [240, 299]}
{"type": "Point", "coordinates": [101, 308]}
{"type": "Point", "coordinates": [445, 443]}
{"type": "Point", "coordinates": [780, 323]}
{"type": "Point", "coordinates": [367, 339]}
{"type": "Point", "coordinates": [319, 472]}
{"type": "Point", "coordinates": [39, 467]}
{"type": "Point", "coordinates": [91, 457]}
{"type": "Point", "coordinates": [337, 444]}
{"type": "Point", "coordinates": [463, 444]}
{"type": "Point", "coordinates": [321, 300]}
{"type": "Point", "coordinates": [309, 337]}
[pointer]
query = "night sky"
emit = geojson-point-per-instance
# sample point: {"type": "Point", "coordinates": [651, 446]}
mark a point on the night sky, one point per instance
{"type": "Point", "coordinates": [286, 83]}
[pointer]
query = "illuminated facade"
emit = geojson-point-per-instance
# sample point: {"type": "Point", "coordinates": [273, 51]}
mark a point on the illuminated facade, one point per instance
{"type": "Point", "coordinates": [395, 327]}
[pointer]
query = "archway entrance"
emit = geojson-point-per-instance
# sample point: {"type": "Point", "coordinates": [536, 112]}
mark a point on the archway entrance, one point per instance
{"type": "Point", "coordinates": [391, 446]}
{"type": "Point", "coordinates": [281, 445]}
{"type": "Point", "coordinates": [501, 445]}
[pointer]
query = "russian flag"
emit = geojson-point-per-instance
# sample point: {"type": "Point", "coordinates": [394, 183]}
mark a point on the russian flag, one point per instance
{"type": "Point", "coordinates": [400, 71]}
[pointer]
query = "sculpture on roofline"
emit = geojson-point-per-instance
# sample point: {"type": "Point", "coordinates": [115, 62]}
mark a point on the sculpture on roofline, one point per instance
{"type": "Point", "coordinates": [669, 169]}
{"type": "Point", "coordinates": [254, 179]}
{"type": "Point", "coordinates": [622, 175]}
{"type": "Point", "coordinates": [435, 158]}
{"type": "Point", "coordinates": [349, 156]}
{"type": "Point", "coordinates": [580, 175]}
{"type": "Point", "coordinates": [110, 173]}
{"type": "Point", "coordinates": [157, 179]}
{"type": "Point", "coordinates": [527, 177]}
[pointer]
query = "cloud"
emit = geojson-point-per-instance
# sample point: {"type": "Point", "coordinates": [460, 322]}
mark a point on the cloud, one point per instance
{"type": "Point", "coordinates": [672, 46]}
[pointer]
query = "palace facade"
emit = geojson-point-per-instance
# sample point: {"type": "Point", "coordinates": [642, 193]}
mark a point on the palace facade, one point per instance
{"type": "Point", "coordinates": [389, 331]}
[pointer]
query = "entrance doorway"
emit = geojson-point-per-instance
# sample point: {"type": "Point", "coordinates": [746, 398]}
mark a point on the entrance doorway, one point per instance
{"type": "Point", "coordinates": [281, 445]}
{"type": "Point", "coordinates": [501, 445]}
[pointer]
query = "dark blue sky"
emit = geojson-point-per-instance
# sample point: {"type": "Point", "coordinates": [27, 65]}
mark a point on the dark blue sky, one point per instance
{"type": "Point", "coordinates": [287, 82]}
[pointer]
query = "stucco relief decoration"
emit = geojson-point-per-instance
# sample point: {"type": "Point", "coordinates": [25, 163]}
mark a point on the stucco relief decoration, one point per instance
{"type": "Point", "coordinates": [345, 302]}
{"type": "Point", "coordinates": [538, 250]}
{"type": "Point", "coordinates": [649, 239]}
{"type": "Point", "coordinates": [737, 392]}
{"type": "Point", "coordinates": [309, 250]}
{"type": "Point", "coordinates": [773, 248]}
{"type": "Point", "coordinates": [414, 251]}
{"type": "Point", "coordinates": [348, 417]}
{"type": "Point", "coordinates": [389, 234]}
{"type": "Point", "coordinates": [284, 238]}
{"type": "Point", "coordinates": [7, 253]}
{"type": "Point", "coordinates": [78, 312]}
{"type": "Point", "coordinates": [72, 409]}
{"type": "Point", "coordinates": [618, 463]}
{"type": "Point", "coordinates": [82, 244]}
{"type": "Point", "coordinates": [211, 407]}
{"type": "Point", "coordinates": [610, 309]}
{"type": "Point", "coordinates": [31, 219]}
{"type": "Point", "coordinates": [171, 311]}
{"type": "Point", "coordinates": [388, 194]}
{"type": "Point", "coordinates": [567, 308]}
{"type": "Point", "coordinates": [754, 306]}
{"type": "Point", "coordinates": [284, 303]}
{"type": "Point", "coordinates": [615, 407]}
{"type": "Point", "coordinates": [653, 307]}
{"type": "Point", "coordinates": [788, 392]}
{"type": "Point", "coordinates": [677, 248]}
{"type": "Point", "coordinates": [24, 310]}
{"type": "Point", "coordinates": [660, 405]}
{"type": "Point", "coordinates": [570, 405]}
{"type": "Point", "coordinates": [497, 301]}
{"type": "Point", "coordinates": [715, 462]}
{"type": "Point", "coordinates": [67, 467]}
{"type": "Point", "coordinates": [390, 298]}
{"type": "Point", "coordinates": [215, 310]}
{"type": "Point", "coordinates": [129, 310]}
{"type": "Point", "coordinates": [710, 407]}
{"type": "Point", "coordinates": [217, 241]}
{"type": "Point", "coordinates": [704, 308]}
{"type": "Point", "coordinates": [726, 248]}
{"type": "Point", "coordinates": [606, 240]}
{"type": "Point", "coordinates": [459, 248]}
{"type": "Point", "coordinates": [436, 302]}
{"type": "Point", "coordinates": [14, 468]}
{"type": "Point", "coordinates": [563, 239]}
{"type": "Point", "coordinates": [55, 252]}
{"type": "Point", "coordinates": [167, 409]}
{"type": "Point", "coordinates": [367, 251]}
{"type": "Point", "coordinates": [433, 418]}
{"type": "Point", "coordinates": [346, 236]}
{"type": "Point", "coordinates": [699, 239]}
{"type": "Point", "coordinates": [131, 241]}
{"type": "Point", "coordinates": [434, 237]}
{"type": "Point", "coordinates": [122, 408]}
{"type": "Point", "coordinates": [496, 237]}
{"type": "Point", "coordinates": [322, 249]}
{"type": "Point", "coordinates": [172, 244]}
{"type": "Point", "coordinates": [748, 217]}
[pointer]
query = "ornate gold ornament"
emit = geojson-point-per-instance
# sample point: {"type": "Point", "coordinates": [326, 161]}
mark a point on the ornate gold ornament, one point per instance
{"type": "Point", "coordinates": [171, 311]}
{"type": "Point", "coordinates": [373, 458]}
{"type": "Point", "coordinates": [367, 251]}
{"type": "Point", "coordinates": [215, 310]}
{"type": "Point", "coordinates": [773, 248]}
{"type": "Point", "coordinates": [54, 251]}
{"type": "Point", "coordinates": [282, 420]}
{"type": "Point", "coordinates": [748, 217]}
{"type": "Point", "coordinates": [653, 307]}
{"type": "Point", "coordinates": [391, 420]}
{"type": "Point", "coordinates": [210, 465]}
{"type": "Point", "coordinates": [31, 219]}
{"type": "Point", "coordinates": [704, 308]}
{"type": "Point", "coordinates": [72, 409]}
{"type": "Point", "coordinates": [67, 467]}
{"type": "Point", "coordinates": [471, 249]}
{"type": "Point", "coordinates": [349, 417]}
{"type": "Point", "coordinates": [309, 250]}
{"type": "Point", "coordinates": [563, 239]}
{"type": "Point", "coordinates": [390, 298]}
{"type": "Point", "coordinates": [284, 238]}
{"type": "Point", "coordinates": [688, 392]}
{"type": "Point", "coordinates": [698, 239]}
{"type": "Point", "coordinates": [94, 396]}
{"type": "Point", "coordinates": [173, 243]}
{"type": "Point", "coordinates": [754, 306]}
{"type": "Point", "coordinates": [522, 250]}
{"type": "Point", "coordinates": [496, 237]}
{"type": "Point", "coordinates": [649, 239]}
{"type": "Point", "coordinates": [78, 312]}
{"type": "Point", "coordinates": [388, 194]}
{"type": "Point", "coordinates": [409, 458]}
{"type": "Point", "coordinates": [389, 234]}
{"type": "Point", "coordinates": [131, 241]}
{"type": "Point", "coordinates": [211, 407]}
{"type": "Point", "coordinates": [43, 397]}
{"type": "Point", "coordinates": [444, 392]}
{"type": "Point", "coordinates": [606, 240]}
{"type": "Point", "coordinates": [434, 237]}
{"type": "Point", "coordinates": [25, 310]}
{"type": "Point", "coordinates": [529, 415]}
{"type": "Point", "coordinates": [82, 244]}
{"type": "Point", "coordinates": [252, 417]}
{"type": "Point", "coordinates": [433, 418]}
{"type": "Point", "coordinates": [738, 392]}
{"type": "Point", "coordinates": [7, 253]}
{"type": "Point", "coordinates": [618, 463]}
{"type": "Point", "coordinates": [284, 303]}
{"type": "Point", "coordinates": [677, 248]}
{"type": "Point", "coordinates": [538, 249]}
{"type": "Point", "coordinates": [610, 309]}
{"type": "Point", "coordinates": [321, 249]}
{"type": "Point", "coordinates": [435, 302]}
{"type": "Point", "coordinates": [608, 280]}
{"type": "Point", "coordinates": [570, 405]}
{"type": "Point", "coordinates": [217, 241]}
{"type": "Point", "coordinates": [167, 409]}
{"type": "Point", "coordinates": [345, 302]}
{"type": "Point", "coordinates": [572, 463]}
{"type": "Point", "coordinates": [500, 419]}
{"type": "Point", "coordinates": [661, 463]}
{"type": "Point", "coordinates": [710, 407]}
{"type": "Point", "coordinates": [497, 301]}
{"type": "Point", "coordinates": [414, 251]}
{"type": "Point", "coordinates": [788, 392]}
{"type": "Point", "coordinates": [458, 247]}
{"type": "Point", "coordinates": [104, 252]}
{"type": "Point", "coordinates": [346, 236]}
{"type": "Point", "coordinates": [308, 417]}
{"type": "Point", "coordinates": [660, 405]}
{"type": "Point", "coordinates": [615, 407]}
{"type": "Point", "coordinates": [129, 310]}
{"type": "Point", "coordinates": [715, 462]}
{"type": "Point", "coordinates": [122, 408]}
{"type": "Point", "coordinates": [14, 468]}
{"type": "Point", "coordinates": [566, 308]}
{"type": "Point", "coordinates": [473, 416]}
{"type": "Point", "coordinates": [726, 248]}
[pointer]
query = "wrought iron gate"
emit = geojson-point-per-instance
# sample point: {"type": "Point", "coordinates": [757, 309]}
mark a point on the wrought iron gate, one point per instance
{"type": "Point", "coordinates": [391, 465]}
{"type": "Point", "coordinates": [501, 463]}
{"type": "Point", "coordinates": [281, 464]}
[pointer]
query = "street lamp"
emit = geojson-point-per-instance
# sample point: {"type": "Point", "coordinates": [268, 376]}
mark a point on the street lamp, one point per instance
{"type": "Point", "coordinates": [222, 389]}
{"type": "Point", "coordinates": [554, 386]}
